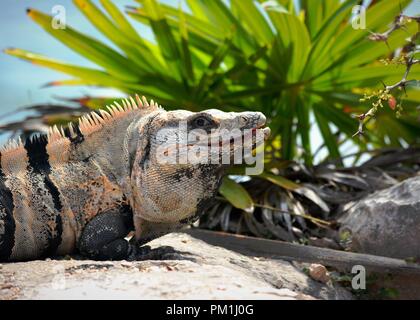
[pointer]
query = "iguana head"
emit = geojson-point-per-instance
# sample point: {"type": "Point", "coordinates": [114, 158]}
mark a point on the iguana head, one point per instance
{"type": "Point", "coordinates": [180, 159]}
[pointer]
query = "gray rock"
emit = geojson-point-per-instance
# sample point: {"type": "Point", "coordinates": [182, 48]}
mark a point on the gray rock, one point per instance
{"type": "Point", "coordinates": [387, 222]}
{"type": "Point", "coordinates": [197, 271]}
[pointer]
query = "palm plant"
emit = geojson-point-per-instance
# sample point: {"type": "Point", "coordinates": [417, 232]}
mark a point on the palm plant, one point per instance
{"type": "Point", "coordinates": [302, 66]}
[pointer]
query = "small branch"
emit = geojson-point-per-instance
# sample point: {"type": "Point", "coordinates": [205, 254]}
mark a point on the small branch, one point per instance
{"type": "Point", "coordinates": [320, 222]}
{"type": "Point", "coordinates": [406, 58]}
{"type": "Point", "coordinates": [364, 117]}
{"type": "Point", "coordinates": [403, 82]}
{"type": "Point", "coordinates": [399, 22]}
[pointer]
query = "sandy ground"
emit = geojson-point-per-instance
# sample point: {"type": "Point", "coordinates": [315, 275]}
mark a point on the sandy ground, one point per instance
{"type": "Point", "coordinates": [196, 270]}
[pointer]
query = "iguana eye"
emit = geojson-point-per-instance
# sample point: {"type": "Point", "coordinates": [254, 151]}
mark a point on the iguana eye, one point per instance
{"type": "Point", "coordinates": [200, 122]}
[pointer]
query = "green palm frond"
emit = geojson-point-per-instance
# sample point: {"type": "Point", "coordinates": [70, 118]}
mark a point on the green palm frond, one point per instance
{"type": "Point", "coordinates": [297, 67]}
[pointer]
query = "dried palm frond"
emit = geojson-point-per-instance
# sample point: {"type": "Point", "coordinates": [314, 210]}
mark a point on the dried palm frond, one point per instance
{"type": "Point", "coordinates": [295, 215]}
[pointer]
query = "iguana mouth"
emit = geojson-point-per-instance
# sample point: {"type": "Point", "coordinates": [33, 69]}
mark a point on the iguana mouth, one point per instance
{"type": "Point", "coordinates": [251, 134]}
{"type": "Point", "coordinates": [245, 135]}
{"type": "Point", "coordinates": [266, 131]}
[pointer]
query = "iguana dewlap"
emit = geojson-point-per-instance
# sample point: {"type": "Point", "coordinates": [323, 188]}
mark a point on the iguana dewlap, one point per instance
{"type": "Point", "coordinates": [86, 187]}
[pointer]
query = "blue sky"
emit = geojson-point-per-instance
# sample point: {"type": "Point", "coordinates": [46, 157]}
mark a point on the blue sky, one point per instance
{"type": "Point", "coordinates": [20, 82]}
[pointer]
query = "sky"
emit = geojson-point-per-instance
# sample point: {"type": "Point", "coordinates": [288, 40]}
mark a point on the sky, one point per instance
{"type": "Point", "coordinates": [21, 82]}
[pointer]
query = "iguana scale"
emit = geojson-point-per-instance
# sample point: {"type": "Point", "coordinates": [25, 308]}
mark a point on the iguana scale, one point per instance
{"type": "Point", "coordinates": [85, 187]}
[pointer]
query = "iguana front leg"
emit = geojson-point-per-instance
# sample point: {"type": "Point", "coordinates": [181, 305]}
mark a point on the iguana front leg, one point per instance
{"type": "Point", "coordinates": [104, 238]}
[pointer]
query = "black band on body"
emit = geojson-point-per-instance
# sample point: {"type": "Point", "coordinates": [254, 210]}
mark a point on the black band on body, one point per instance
{"type": "Point", "coordinates": [39, 163]}
{"type": "Point", "coordinates": [79, 138]}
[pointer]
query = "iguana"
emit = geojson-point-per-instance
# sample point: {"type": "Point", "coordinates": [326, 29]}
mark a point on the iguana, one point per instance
{"type": "Point", "coordinates": [85, 187]}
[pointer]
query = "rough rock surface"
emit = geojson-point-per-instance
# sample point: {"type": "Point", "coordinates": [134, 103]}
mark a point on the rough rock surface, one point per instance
{"type": "Point", "coordinates": [386, 222]}
{"type": "Point", "coordinates": [196, 271]}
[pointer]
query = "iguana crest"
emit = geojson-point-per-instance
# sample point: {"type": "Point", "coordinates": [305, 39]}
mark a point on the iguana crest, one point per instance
{"type": "Point", "coordinates": [91, 122]}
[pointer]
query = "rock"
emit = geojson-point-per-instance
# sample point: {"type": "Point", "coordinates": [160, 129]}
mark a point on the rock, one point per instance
{"type": "Point", "coordinates": [387, 222]}
{"type": "Point", "coordinates": [197, 271]}
{"type": "Point", "coordinates": [319, 273]}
